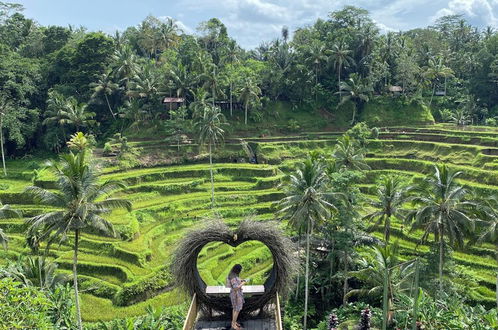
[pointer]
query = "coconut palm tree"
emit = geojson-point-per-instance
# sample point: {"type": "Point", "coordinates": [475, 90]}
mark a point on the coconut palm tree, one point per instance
{"type": "Point", "coordinates": [248, 93]}
{"type": "Point", "coordinates": [104, 85]}
{"type": "Point", "coordinates": [71, 113]}
{"type": "Point", "coordinates": [80, 201]}
{"type": "Point", "coordinates": [435, 70]}
{"type": "Point", "coordinates": [232, 53]}
{"type": "Point", "coordinates": [391, 196]}
{"type": "Point", "coordinates": [356, 90]}
{"type": "Point", "coordinates": [145, 82]}
{"type": "Point", "coordinates": [124, 63]}
{"type": "Point", "coordinates": [183, 80]}
{"type": "Point", "coordinates": [6, 212]}
{"type": "Point", "coordinates": [383, 275]}
{"type": "Point", "coordinates": [342, 58]}
{"type": "Point", "coordinates": [210, 130]}
{"type": "Point", "coordinates": [349, 155]}
{"type": "Point", "coordinates": [317, 54]}
{"type": "Point", "coordinates": [442, 210]}
{"type": "Point", "coordinates": [306, 205]}
{"type": "Point", "coordinates": [213, 81]}
{"type": "Point", "coordinates": [200, 103]}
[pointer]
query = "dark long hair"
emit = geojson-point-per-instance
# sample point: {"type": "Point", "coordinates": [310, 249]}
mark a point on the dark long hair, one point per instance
{"type": "Point", "coordinates": [235, 272]}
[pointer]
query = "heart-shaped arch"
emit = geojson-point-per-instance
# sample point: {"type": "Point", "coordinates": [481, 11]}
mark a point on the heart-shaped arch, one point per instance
{"type": "Point", "coordinates": [187, 276]}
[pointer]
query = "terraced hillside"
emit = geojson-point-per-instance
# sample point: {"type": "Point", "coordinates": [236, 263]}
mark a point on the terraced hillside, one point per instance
{"type": "Point", "coordinates": [122, 276]}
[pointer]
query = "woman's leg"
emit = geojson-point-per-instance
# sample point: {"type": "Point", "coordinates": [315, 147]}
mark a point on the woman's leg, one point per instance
{"type": "Point", "coordinates": [235, 315]}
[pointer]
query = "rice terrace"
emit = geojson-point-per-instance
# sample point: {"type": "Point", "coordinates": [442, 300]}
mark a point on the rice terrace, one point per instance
{"type": "Point", "coordinates": [339, 173]}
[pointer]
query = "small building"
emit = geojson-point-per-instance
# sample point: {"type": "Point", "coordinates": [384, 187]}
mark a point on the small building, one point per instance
{"type": "Point", "coordinates": [396, 90]}
{"type": "Point", "coordinates": [173, 103]}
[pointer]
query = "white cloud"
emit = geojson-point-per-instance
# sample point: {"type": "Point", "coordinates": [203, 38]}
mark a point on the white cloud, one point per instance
{"type": "Point", "coordinates": [481, 12]}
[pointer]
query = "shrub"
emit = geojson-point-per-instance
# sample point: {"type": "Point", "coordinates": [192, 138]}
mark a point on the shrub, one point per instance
{"type": "Point", "coordinates": [491, 122]}
{"type": "Point", "coordinates": [293, 125]}
{"type": "Point", "coordinates": [22, 307]}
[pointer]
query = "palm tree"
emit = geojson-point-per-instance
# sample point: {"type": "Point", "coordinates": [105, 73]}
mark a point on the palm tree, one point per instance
{"type": "Point", "coordinates": [80, 201]}
{"type": "Point", "coordinates": [105, 86]}
{"type": "Point", "coordinates": [5, 107]}
{"type": "Point", "coordinates": [36, 271]}
{"type": "Point", "coordinates": [307, 205]}
{"type": "Point", "coordinates": [435, 70]}
{"type": "Point", "coordinates": [212, 81]}
{"type": "Point", "coordinates": [200, 103]}
{"type": "Point", "coordinates": [145, 82]}
{"type": "Point", "coordinates": [71, 113]}
{"type": "Point", "coordinates": [442, 211]}
{"type": "Point", "coordinates": [232, 52]}
{"type": "Point", "coordinates": [125, 62]}
{"type": "Point", "coordinates": [6, 212]}
{"type": "Point", "coordinates": [183, 80]}
{"type": "Point", "coordinates": [210, 130]}
{"type": "Point", "coordinates": [342, 58]}
{"type": "Point", "coordinates": [317, 54]}
{"type": "Point", "coordinates": [385, 276]}
{"type": "Point", "coordinates": [249, 92]}
{"type": "Point", "coordinates": [349, 155]}
{"type": "Point", "coordinates": [391, 196]}
{"type": "Point", "coordinates": [356, 90]}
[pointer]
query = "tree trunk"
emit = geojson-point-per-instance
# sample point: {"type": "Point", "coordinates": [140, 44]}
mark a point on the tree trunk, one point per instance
{"type": "Point", "coordinates": [385, 304]}
{"type": "Point", "coordinates": [339, 83]}
{"type": "Point", "coordinates": [445, 83]}
{"type": "Point", "coordinates": [316, 85]}
{"type": "Point", "coordinates": [231, 103]}
{"type": "Point", "coordinates": [306, 276]}
{"type": "Point", "coordinates": [211, 172]}
{"type": "Point", "coordinates": [1, 144]}
{"type": "Point", "coordinates": [433, 92]}
{"type": "Point", "coordinates": [245, 115]}
{"type": "Point", "coordinates": [416, 296]}
{"type": "Point", "coordinates": [298, 258]}
{"type": "Point", "coordinates": [109, 105]}
{"type": "Point", "coordinates": [75, 275]}
{"type": "Point", "coordinates": [441, 248]}
{"type": "Point", "coordinates": [345, 287]}
{"type": "Point", "coordinates": [387, 229]}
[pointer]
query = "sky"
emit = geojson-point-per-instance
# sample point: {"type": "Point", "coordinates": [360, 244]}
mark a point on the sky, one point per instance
{"type": "Point", "coordinates": [252, 21]}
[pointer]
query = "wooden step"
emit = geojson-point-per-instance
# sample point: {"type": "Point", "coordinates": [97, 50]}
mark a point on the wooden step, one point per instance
{"type": "Point", "coordinates": [258, 324]}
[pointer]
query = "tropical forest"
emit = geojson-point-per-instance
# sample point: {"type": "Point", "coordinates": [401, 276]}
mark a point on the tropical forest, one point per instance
{"type": "Point", "coordinates": [352, 173]}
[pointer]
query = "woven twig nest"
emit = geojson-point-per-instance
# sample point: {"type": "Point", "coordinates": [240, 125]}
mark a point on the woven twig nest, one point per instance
{"type": "Point", "coordinates": [184, 266]}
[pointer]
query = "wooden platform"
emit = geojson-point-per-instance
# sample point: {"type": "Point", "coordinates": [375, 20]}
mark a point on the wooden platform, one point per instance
{"type": "Point", "coordinates": [261, 324]}
{"type": "Point", "coordinates": [247, 289]}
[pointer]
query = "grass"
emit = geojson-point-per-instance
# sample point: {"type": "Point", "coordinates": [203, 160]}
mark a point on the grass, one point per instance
{"type": "Point", "coordinates": [170, 200]}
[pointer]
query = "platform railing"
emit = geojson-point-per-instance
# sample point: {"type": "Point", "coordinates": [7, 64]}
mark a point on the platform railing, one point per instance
{"type": "Point", "coordinates": [191, 315]}
{"type": "Point", "coordinates": [278, 314]}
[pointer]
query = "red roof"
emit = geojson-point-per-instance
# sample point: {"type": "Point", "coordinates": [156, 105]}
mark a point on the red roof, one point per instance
{"type": "Point", "coordinates": [173, 100]}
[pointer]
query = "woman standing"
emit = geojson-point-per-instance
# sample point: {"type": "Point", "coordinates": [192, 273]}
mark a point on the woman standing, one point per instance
{"type": "Point", "coordinates": [236, 295]}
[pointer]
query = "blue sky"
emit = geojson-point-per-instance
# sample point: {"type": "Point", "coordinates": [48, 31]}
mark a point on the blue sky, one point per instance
{"type": "Point", "coordinates": [252, 21]}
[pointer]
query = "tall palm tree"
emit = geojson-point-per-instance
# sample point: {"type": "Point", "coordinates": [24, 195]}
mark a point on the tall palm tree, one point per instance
{"type": "Point", "coordinates": [104, 85]}
{"type": "Point", "coordinates": [356, 90]}
{"type": "Point", "coordinates": [6, 106]}
{"type": "Point", "coordinates": [6, 212]}
{"type": "Point", "coordinates": [435, 70]}
{"type": "Point", "coordinates": [232, 52]}
{"type": "Point", "coordinates": [145, 83]}
{"type": "Point", "coordinates": [80, 201]}
{"type": "Point", "coordinates": [383, 274]}
{"type": "Point", "coordinates": [442, 210]}
{"type": "Point", "coordinates": [212, 81]}
{"type": "Point", "coordinates": [210, 130]}
{"type": "Point", "coordinates": [183, 80]}
{"type": "Point", "coordinates": [342, 58]}
{"type": "Point", "coordinates": [200, 103]}
{"type": "Point", "coordinates": [391, 196]}
{"type": "Point", "coordinates": [317, 54]}
{"type": "Point", "coordinates": [349, 155]}
{"type": "Point", "coordinates": [249, 92]}
{"type": "Point", "coordinates": [72, 113]}
{"type": "Point", "coordinates": [306, 205]}
{"type": "Point", "coordinates": [124, 63]}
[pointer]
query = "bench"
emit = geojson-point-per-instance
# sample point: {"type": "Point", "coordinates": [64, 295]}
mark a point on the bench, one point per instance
{"type": "Point", "coordinates": [223, 290]}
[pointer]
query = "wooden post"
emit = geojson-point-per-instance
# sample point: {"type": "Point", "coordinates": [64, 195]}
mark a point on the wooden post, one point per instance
{"type": "Point", "coordinates": [278, 314]}
{"type": "Point", "coordinates": [191, 315]}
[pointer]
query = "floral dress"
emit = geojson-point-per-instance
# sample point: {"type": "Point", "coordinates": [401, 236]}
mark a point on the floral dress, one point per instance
{"type": "Point", "coordinates": [236, 295]}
